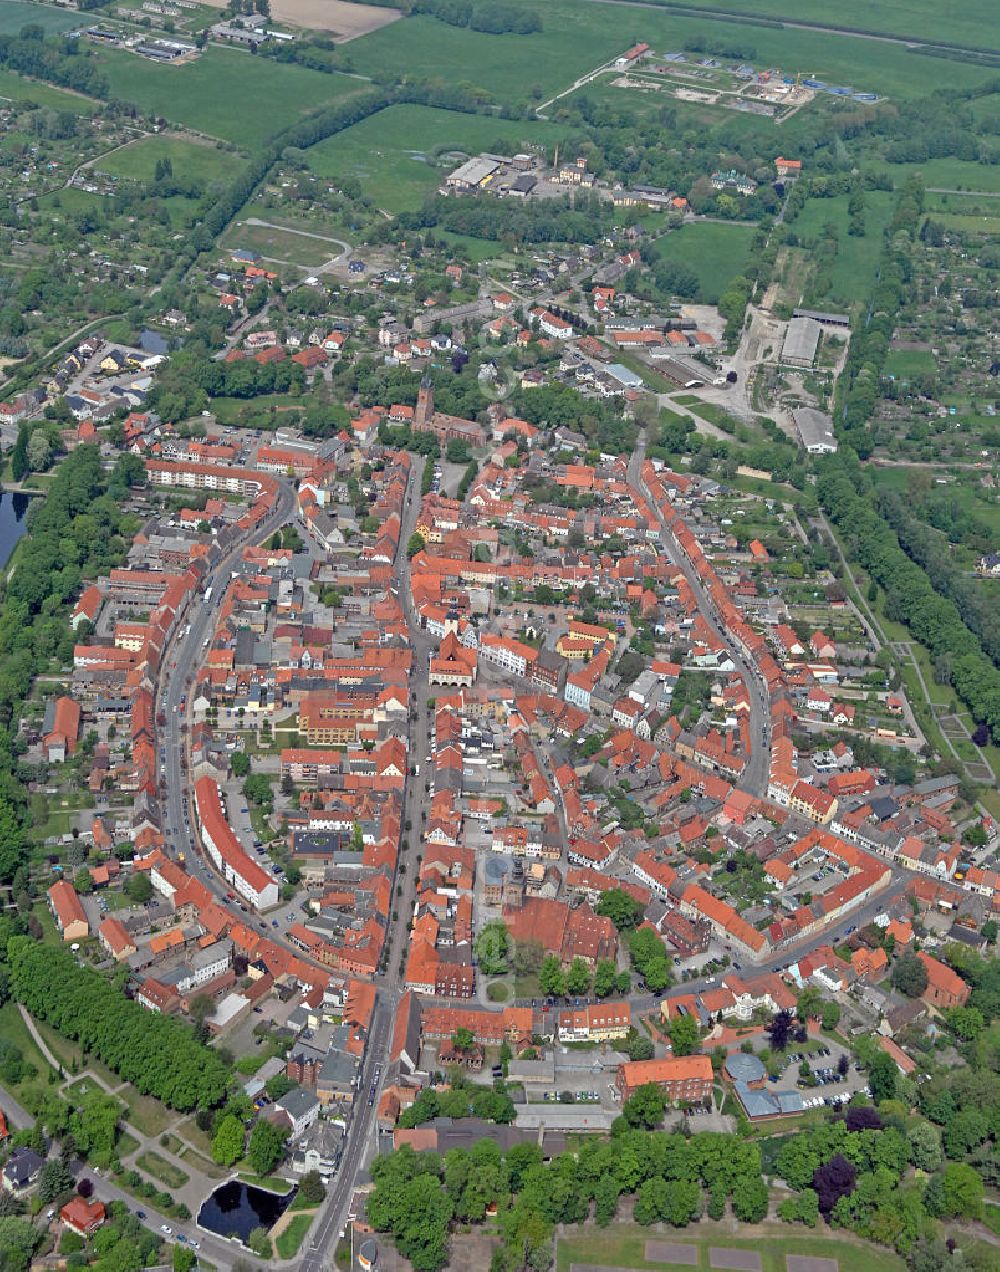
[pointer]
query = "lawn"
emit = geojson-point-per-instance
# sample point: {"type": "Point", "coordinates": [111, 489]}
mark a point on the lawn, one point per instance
{"type": "Point", "coordinates": [189, 160]}
{"type": "Point", "coordinates": [166, 1172]}
{"type": "Point", "coordinates": [283, 246]}
{"type": "Point", "coordinates": [291, 1238]}
{"type": "Point", "coordinates": [211, 94]}
{"type": "Point", "coordinates": [907, 362]}
{"type": "Point", "coordinates": [852, 272]}
{"type": "Point", "coordinates": [14, 16]}
{"type": "Point", "coordinates": [395, 153]}
{"type": "Point", "coordinates": [14, 1030]}
{"type": "Point", "coordinates": [968, 224]}
{"type": "Point", "coordinates": [717, 253]}
{"type": "Point", "coordinates": [146, 1114]}
{"type": "Point", "coordinates": [579, 36]}
{"type": "Point", "coordinates": [624, 1247]}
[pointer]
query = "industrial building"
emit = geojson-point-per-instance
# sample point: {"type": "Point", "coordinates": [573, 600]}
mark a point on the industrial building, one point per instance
{"type": "Point", "coordinates": [801, 342]}
{"type": "Point", "coordinates": [815, 431]}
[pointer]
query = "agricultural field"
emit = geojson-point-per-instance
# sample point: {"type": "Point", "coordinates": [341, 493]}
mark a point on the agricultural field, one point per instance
{"type": "Point", "coordinates": [190, 160]}
{"type": "Point", "coordinates": [396, 155]}
{"type": "Point", "coordinates": [716, 252]}
{"type": "Point", "coordinates": [14, 15]}
{"type": "Point", "coordinates": [213, 94]}
{"type": "Point", "coordinates": [846, 279]}
{"type": "Point", "coordinates": [972, 23]}
{"type": "Point", "coordinates": [578, 36]}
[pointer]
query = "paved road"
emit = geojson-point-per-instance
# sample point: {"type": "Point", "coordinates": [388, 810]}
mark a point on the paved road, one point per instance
{"type": "Point", "coordinates": [754, 778]}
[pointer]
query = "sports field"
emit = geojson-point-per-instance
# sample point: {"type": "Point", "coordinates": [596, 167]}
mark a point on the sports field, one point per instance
{"type": "Point", "coordinates": [189, 160]}
{"type": "Point", "coordinates": [393, 153]}
{"type": "Point", "coordinates": [717, 253]}
{"type": "Point", "coordinates": [15, 15]}
{"type": "Point", "coordinates": [224, 93]}
{"type": "Point", "coordinates": [579, 35]}
{"type": "Point", "coordinates": [624, 1246]}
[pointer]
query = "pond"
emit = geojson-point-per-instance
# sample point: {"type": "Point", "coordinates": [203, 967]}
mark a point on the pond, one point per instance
{"type": "Point", "coordinates": [234, 1209]}
{"type": "Point", "coordinates": [13, 506]}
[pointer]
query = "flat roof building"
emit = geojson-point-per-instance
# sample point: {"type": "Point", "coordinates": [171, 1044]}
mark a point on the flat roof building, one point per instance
{"type": "Point", "coordinates": [815, 430]}
{"type": "Point", "coordinates": [801, 342]}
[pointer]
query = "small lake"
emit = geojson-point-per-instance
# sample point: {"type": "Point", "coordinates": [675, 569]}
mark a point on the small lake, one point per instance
{"type": "Point", "coordinates": [13, 507]}
{"type": "Point", "coordinates": [234, 1209]}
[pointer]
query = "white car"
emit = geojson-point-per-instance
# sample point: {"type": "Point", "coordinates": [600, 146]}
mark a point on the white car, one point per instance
{"type": "Point", "coordinates": [164, 1229]}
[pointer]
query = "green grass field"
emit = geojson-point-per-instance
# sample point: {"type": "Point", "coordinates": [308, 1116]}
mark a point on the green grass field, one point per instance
{"type": "Point", "coordinates": [907, 362]}
{"type": "Point", "coordinates": [224, 93]}
{"type": "Point", "coordinates": [853, 270]}
{"type": "Point", "coordinates": [281, 245]}
{"type": "Point", "coordinates": [970, 224]}
{"type": "Point", "coordinates": [190, 160]}
{"type": "Point", "coordinates": [16, 88]}
{"type": "Point", "coordinates": [393, 153]}
{"type": "Point", "coordinates": [579, 35]}
{"type": "Point", "coordinates": [716, 253]}
{"type": "Point", "coordinates": [166, 1172]}
{"type": "Point", "coordinates": [947, 174]}
{"type": "Point", "coordinates": [15, 15]}
{"type": "Point", "coordinates": [288, 1242]}
{"type": "Point", "coordinates": [624, 1246]}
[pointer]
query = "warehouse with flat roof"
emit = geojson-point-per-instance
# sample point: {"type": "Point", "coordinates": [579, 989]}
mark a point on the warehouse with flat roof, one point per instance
{"type": "Point", "coordinates": [801, 342]}
{"type": "Point", "coordinates": [471, 174]}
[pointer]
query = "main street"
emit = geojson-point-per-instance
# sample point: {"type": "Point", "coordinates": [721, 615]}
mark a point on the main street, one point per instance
{"type": "Point", "coordinates": [181, 662]}
{"type": "Point", "coordinates": [754, 778]}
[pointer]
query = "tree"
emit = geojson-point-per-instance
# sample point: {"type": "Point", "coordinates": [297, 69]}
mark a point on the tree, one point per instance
{"type": "Point", "coordinates": [645, 1107]}
{"type": "Point", "coordinates": [312, 1188]}
{"type": "Point", "coordinates": [260, 1243]}
{"type": "Point", "coordinates": [882, 1075]}
{"type": "Point", "coordinates": [909, 975]}
{"type": "Point", "coordinates": [19, 455]}
{"type": "Point", "coordinates": [809, 1004]}
{"type": "Point", "coordinates": [578, 977]}
{"type": "Point", "coordinates": [139, 888]}
{"type": "Point", "coordinates": [956, 1193]}
{"type": "Point", "coordinates": [803, 1208]}
{"type": "Point", "coordinates": [493, 948]}
{"type": "Point", "coordinates": [684, 1034]}
{"type": "Point", "coordinates": [551, 977]}
{"type": "Point", "coordinates": [605, 978]}
{"type": "Point", "coordinates": [637, 1045]}
{"type": "Point", "coordinates": [257, 790]}
{"type": "Point", "coordinates": [830, 1015]}
{"type": "Point", "coordinates": [623, 910]}
{"type": "Point", "coordinates": [415, 544]}
{"type": "Point", "coordinates": [779, 1030]}
{"type": "Point", "coordinates": [18, 1239]}
{"type": "Point", "coordinates": [924, 1141]}
{"type": "Point", "coordinates": [267, 1146]}
{"type": "Point", "coordinates": [833, 1180]}
{"type": "Point", "coordinates": [227, 1143]}
{"type": "Point", "coordinates": [240, 763]}
{"type": "Point", "coordinates": [83, 882]}
{"type": "Point", "coordinates": [184, 1258]}
{"type": "Point", "coordinates": [749, 1198]}
{"type": "Point", "coordinates": [463, 1039]}
{"type": "Point", "coordinates": [53, 1180]}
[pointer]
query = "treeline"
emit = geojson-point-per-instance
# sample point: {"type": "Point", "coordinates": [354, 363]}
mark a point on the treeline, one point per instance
{"type": "Point", "coordinates": [157, 1054]}
{"type": "Point", "coordinates": [66, 62]}
{"type": "Point", "coordinates": [491, 19]}
{"type": "Point", "coordinates": [77, 532]}
{"type": "Point", "coordinates": [979, 608]}
{"type": "Point", "coordinates": [934, 620]}
{"type": "Point", "coordinates": [462, 1099]}
{"type": "Point", "coordinates": [858, 388]}
{"type": "Point", "coordinates": [673, 1178]}
{"type": "Point", "coordinates": [720, 48]}
{"type": "Point", "coordinates": [583, 220]}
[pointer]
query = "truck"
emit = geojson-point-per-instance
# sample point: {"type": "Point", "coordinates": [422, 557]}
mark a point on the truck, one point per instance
{"type": "Point", "coordinates": [208, 594]}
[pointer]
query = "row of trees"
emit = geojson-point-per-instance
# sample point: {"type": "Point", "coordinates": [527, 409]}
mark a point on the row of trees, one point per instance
{"type": "Point", "coordinates": [418, 1196]}
{"type": "Point", "coordinates": [491, 19]}
{"type": "Point", "coordinates": [157, 1054]}
{"type": "Point", "coordinates": [934, 620]}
